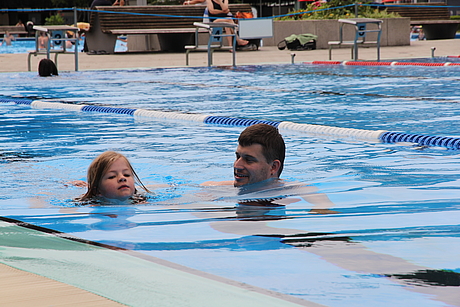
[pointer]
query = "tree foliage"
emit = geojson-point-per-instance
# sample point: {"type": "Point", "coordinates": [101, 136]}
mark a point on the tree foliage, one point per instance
{"type": "Point", "coordinates": [335, 9]}
{"type": "Point", "coordinates": [54, 20]}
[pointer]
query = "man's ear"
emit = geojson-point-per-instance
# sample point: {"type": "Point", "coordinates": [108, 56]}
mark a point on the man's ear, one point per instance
{"type": "Point", "coordinates": [276, 164]}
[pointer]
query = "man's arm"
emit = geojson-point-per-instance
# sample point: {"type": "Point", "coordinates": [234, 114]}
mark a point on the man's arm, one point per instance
{"type": "Point", "coordinates": [321, 203]}
{"type": "Point", "coordinates": [216, 183]}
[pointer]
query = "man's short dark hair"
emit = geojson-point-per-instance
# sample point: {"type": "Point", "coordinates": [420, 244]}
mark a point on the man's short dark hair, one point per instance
{"type": "Point", "coordinates": [271, 140]}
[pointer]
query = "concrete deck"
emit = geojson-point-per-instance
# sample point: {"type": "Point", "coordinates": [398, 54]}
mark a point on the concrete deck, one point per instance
{"type": "Point", "coordinates": [268, 54]}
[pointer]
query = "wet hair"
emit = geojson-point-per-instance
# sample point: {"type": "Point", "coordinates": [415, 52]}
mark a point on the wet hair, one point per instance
{"type": "Point", "coordinates": [271, 140]}
{"type": "Point", "coordinates": [99, 167]}
{"type": "Point", "coordinates": [47, 68]}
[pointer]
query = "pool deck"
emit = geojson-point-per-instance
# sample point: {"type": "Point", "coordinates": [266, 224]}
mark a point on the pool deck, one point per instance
{"type": "Point", "coordinates": [266, 55]}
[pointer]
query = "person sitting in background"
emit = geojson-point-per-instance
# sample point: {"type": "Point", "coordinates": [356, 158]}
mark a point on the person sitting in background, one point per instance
{"type": "Point", "coordinates": [218, 11]}
{"type": "Point", "coordinates": [47, 68]}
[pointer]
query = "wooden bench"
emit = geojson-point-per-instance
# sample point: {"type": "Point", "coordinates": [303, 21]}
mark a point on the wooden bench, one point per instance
{"type": "Point", "coordinates": [13, 30]}
{"type": "Point", "coordinates": [434, 18]}
{"type": "Point", "coordinates": [173, 24]}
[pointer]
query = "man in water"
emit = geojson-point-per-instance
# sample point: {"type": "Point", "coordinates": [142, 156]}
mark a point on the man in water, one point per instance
{"type": "Point", "coordinates": [7, 38]}
{"type": "Point", "coordinates": [258, 165]}
{"type": "Point", "coordinates": [259, 156]}
{"type": "Point", "coordinates": [259, 162]}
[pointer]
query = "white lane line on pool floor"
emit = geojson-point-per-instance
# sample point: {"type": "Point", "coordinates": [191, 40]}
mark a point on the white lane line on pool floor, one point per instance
{"type": "Point", "coordinates": [128, 277]}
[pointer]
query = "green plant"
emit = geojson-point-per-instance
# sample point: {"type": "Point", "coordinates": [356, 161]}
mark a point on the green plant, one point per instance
{"type": "Point", "coordinates": [335, 9]}
{"type": "Point", "coordinates": [54, 20]}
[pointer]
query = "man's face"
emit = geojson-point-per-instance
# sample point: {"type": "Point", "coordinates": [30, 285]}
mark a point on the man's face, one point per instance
{"type": "Point", "coordinates": [251, 166]}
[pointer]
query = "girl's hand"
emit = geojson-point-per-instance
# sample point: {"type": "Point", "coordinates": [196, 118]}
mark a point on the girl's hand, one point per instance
{"type": "Point", "coordinates": [78, 183]}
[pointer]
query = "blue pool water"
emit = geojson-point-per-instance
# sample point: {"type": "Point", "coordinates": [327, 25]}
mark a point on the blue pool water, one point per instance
{"type": "Point", "coordinates": [396, 206]}
{"type": "Point", "coordinates": [25, 45]}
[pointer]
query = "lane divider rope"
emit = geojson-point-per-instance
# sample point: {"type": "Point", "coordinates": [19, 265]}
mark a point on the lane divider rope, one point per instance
{"type": "Point", "coordinates": [371, 63]}
{"type": "Point", "coordinates": [362, 134]}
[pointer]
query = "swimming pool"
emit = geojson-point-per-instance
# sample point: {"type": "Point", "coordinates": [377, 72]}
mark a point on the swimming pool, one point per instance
{"type": "Point", "coordinates": [25, 45]}
{"type": "Point", "coordinates": [397, 204]}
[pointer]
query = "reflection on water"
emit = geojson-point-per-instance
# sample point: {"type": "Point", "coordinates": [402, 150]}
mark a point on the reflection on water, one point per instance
{"type": "Point", "coordinates": [441, 278]}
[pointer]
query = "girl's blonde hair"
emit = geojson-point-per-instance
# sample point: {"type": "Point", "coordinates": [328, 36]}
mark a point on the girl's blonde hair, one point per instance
{"type": "Point", "coordinates": [99, 167]}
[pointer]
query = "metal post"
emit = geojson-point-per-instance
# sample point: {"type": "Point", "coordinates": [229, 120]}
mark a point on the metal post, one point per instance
{"type": "Point", "coordinates": [378, 40]}
{"type": "Point", "coordinates": [355, 51]}
{"type": "Point", "coordinates": [75, 16]}
{"type": "Point", "coordinates": [355, 43]}
{"type": "Point", "coordinates": [292, 58]}
{"type": "Point", "coordinates": [432, 51]}
{"type": "Point", "coordinates": [234, 47]}
{"type": "Point", "coordinates": [211, 37]}
{"type": "Point", "coordinates": [356, 10]}
{"type": "Point", "coordinates": [48, 47]}
{"type": "Point", "coordinates": [77, 37]}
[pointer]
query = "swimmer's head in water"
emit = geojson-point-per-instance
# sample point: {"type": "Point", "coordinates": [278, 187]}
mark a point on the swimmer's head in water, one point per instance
{"type": "Point", "coordinates": [47, 68]}
{"type": "Point", "coordinates": [111, 176]}
{"type": "Point", "coordinates": [259, 155]}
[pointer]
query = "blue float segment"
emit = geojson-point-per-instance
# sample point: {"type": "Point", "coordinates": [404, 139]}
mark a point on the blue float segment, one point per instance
{"type": "Point", "coordinates": [386, 137]}
{"type": "Point", "coordinates": [229, 121]}
{"type": "Point", "coordinates": [17, 101]}
{"type": "Point", "coordinates": [108, 110]}
{"type": "Point", "coordinates": [395, 137]}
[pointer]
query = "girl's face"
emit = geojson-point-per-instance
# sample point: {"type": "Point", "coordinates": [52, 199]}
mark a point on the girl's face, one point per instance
{"type": "Point", "coordinates": [118, 181]}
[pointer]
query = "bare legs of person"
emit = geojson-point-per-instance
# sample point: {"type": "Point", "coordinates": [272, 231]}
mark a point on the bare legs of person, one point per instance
{"type": "Point", "coordinates": [239, 41]}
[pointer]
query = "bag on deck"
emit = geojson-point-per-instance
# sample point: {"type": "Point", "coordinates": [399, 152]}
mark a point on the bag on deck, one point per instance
{"type": "Point", "coordinates": [298, 42]}
{"type": "Point", "coordinates": [243, 15]}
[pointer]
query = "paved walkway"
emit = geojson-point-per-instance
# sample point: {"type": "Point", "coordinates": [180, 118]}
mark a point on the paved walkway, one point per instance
{"type": "Point", "coordinates": [268, 54]}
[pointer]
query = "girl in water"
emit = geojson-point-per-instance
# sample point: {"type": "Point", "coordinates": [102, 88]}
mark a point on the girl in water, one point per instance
{"type": "Point", "coordinates": [112, 179]}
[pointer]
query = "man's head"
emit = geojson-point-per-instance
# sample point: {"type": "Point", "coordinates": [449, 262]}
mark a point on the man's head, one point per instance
{"type": "Point", "coordinates": [259, 155]}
